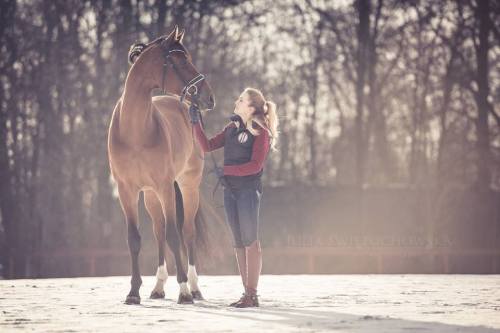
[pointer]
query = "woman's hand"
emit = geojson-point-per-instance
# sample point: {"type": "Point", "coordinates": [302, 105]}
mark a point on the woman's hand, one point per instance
{"type": "Point", "coordinates": [219, 173]}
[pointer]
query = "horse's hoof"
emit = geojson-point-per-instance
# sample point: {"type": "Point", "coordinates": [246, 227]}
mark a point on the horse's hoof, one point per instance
{"type": "Point", "coordinates": [197, 295]}
{"type": "Point", "coordinates": [131, 299]}
{"type": "Point", "coordinates": [185, 299]}
{"type": "Point", "coordinates": [157, 294]}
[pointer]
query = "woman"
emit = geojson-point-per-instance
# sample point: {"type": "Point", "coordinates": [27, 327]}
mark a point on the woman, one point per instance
{"type": "Point", "coordinates": [246, 141]}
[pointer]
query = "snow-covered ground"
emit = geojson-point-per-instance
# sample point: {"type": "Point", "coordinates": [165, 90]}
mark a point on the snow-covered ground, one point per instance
{"type": "Point", "coordinates": [290, 303]}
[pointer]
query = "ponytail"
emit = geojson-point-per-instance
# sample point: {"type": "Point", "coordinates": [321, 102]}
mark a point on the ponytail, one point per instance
{"type": "Point", "coordinates": [272, 121]}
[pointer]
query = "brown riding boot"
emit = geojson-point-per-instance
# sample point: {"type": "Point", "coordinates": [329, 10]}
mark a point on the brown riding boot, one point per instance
{"type": "Point", "coordinates": [253, 257]}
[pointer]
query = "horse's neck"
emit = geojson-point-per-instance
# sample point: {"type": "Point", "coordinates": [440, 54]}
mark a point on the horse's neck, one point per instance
{"type": "Point", "coordinates": [136, 121]}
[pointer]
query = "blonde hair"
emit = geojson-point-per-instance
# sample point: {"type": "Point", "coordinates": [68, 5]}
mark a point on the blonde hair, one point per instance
{"type": "Point", "coordinates": [264, 115]}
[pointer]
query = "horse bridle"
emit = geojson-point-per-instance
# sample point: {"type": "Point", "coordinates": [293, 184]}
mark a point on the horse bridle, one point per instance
{"type": "Point", "coordinates": [190, 86]}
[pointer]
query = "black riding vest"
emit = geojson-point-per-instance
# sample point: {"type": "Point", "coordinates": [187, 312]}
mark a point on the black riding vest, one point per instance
{"type": "Point", "coordinates": [238, 145]}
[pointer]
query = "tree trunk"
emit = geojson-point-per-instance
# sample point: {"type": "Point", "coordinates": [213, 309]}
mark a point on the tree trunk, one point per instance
{"type": "Point", "coordinates": [483, 161]}
{"type": "Point", "coordinates": [363, 8]}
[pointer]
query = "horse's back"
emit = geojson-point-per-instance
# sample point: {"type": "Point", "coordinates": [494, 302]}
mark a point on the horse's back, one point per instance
{"type": "Point", "coordinates": [170, 106]}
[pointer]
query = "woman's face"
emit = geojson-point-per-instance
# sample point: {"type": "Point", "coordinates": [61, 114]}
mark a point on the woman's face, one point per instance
{"type": "Point", "coordinates": [242, 106]}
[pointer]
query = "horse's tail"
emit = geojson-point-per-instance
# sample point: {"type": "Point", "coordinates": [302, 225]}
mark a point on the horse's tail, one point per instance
{"type": "Point", "coordinates": [179, 209]}
{"type": "Point", "coordinates": [210, 238]}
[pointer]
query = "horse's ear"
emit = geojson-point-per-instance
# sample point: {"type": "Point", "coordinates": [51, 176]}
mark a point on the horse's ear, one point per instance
{"type": "Point", "coordinates": [181, 35]}
{"type": "Point", "coordinates": [176, 32]}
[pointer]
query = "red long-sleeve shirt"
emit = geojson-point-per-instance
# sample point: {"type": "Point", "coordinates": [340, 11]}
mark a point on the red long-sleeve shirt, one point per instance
{"type": "Point", "coordinates": [260, 149]}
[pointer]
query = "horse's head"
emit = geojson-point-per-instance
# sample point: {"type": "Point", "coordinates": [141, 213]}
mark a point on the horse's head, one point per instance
{"type": "Point", "coordinates": [172, 68]}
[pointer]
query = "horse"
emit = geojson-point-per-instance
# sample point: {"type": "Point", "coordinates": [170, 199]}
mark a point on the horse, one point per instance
{"type": "Point", "coordinates": [151, 149]}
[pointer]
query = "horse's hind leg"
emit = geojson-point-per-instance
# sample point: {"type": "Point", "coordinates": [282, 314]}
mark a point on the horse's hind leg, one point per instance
{"type": "Point", "coordinates": [153, 206]}
{"type": "Point", "coordinates": [128, 200]}
{"type": "Point", "coordinates": [191, 196]}
{"type": "Point", "coordinates": [175, 239]}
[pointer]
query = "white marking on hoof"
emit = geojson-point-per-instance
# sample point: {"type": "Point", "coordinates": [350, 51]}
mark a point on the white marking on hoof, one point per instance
{"type": "Point", "coordinates": [184, 289]}
{"type": "Point", "coordinates": [161, 278]}
{"type": "Point", "coordinates": [192, 278]}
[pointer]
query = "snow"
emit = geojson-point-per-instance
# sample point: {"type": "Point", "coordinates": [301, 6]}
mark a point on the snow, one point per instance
{"type": "Point", "coordinates": [289, 303]}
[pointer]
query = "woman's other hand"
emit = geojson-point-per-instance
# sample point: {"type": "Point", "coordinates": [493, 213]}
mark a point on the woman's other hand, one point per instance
{"type": "Point", "coordinates": [194, 114]}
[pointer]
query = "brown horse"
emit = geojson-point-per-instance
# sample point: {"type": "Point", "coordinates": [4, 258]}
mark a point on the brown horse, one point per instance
{"type": "Point", "coordinates": [151, 149]}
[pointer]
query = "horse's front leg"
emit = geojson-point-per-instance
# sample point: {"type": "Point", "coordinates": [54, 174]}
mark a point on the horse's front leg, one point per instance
{"type": "Point", "coordinates": [175, 239]}
{"type": "Point", "coordinates": [128, 200]}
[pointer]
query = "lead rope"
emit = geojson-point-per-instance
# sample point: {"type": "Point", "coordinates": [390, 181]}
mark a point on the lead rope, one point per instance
{"type": "Point", "coordinates": [215, 166]}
